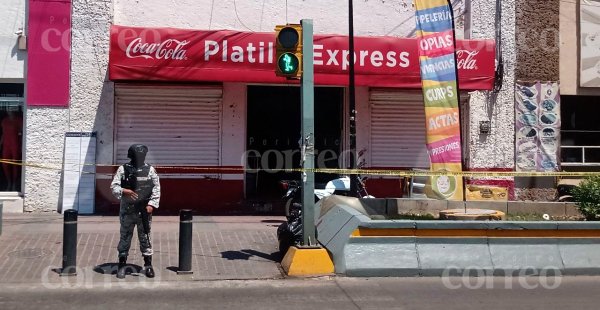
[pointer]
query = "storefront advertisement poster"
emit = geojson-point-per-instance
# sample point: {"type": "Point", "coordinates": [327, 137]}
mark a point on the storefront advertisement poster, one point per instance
{"type": "Point", "coordinates": [440, 92]}
{"type": "Point", "coordinates": [537, 126]}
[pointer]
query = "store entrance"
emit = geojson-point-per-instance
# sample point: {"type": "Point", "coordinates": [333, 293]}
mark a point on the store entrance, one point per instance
{"type": "Point", "coordinates": [273, 133]}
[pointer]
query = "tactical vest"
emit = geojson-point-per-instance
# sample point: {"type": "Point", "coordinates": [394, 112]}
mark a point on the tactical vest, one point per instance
{"type": "Point", "coordinates": [138, 180]}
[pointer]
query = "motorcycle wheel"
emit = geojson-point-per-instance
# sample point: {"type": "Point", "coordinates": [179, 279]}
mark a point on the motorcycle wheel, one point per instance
{"type": "Point", "coordinates": [284, 238]}
{"type": "Point", "coordinates": [566, 198]}
{"type": "Point", "coordinates": [288, 205]}
{"type": "Point", "coordinates": [284, 245]}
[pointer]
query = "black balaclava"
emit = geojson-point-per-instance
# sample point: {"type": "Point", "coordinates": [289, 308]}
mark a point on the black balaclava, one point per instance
{"type": "Point", "coordinates": [137, 154]}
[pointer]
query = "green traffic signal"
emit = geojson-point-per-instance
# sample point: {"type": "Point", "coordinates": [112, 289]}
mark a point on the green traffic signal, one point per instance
{"type": "Point", "coordinates": [288, 63]}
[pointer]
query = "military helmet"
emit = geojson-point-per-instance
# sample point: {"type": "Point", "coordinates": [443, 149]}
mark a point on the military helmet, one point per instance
{"type": "Point", "coordinates": [137, 151]}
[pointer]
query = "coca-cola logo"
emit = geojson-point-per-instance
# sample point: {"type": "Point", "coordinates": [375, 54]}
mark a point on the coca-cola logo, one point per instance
{"type": "Point", "coordinates": [466, 59]}
{"type": "Point", "coordinates": [168, 49]}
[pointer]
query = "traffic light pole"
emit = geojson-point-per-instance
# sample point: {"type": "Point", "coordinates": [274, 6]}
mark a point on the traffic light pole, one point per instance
{"type": "Point", "coordinates": [352, 101]}
{"type": "Point", "coordinates": [308, 136]}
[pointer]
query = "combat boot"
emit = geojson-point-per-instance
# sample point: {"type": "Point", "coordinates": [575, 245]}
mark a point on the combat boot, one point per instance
{"type": "Point", "coordinates": [122, 267]}
{"type": "Point", "coordinates": [148, 266]}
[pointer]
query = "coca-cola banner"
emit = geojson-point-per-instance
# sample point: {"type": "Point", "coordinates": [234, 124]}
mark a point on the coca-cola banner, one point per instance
{"type": "Point", "coordinates": [440, 92]}
{"type": "Point", "coordinates": [167, 54]}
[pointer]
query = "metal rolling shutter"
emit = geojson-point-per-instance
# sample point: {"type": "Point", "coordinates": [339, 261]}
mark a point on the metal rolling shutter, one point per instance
{"type": "Point", "coordinates": [397, 129]}
{"type": "Point", "coordinates": [181, 125]}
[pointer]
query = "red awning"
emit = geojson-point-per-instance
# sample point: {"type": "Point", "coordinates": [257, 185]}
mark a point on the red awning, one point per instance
{"type": "Point", "coordinates": [167, 54]}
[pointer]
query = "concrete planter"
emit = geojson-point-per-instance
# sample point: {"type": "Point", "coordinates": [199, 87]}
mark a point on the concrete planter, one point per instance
{"type": "Point", "coordinates": [364, 247]}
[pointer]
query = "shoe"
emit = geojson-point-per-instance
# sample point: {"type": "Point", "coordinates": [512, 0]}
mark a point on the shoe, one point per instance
{"type": "Point", "coordinates": [148, 266]}
{"type": "Point", "coordinates": [149, 271]}
{"type": "Point", "coordinates": [122, 267]}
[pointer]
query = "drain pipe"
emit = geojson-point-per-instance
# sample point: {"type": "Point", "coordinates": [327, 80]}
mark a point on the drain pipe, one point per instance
{"type": "Point", "coordinates": [499, 72]}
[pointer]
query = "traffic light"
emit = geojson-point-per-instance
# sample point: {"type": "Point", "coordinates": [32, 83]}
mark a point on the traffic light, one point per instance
{"type": "Point", "coordinates": [289, 50]}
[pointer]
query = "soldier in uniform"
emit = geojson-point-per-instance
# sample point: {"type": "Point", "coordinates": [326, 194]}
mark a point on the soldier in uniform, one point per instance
{"type": "Point", "coordinates": [137, 186]}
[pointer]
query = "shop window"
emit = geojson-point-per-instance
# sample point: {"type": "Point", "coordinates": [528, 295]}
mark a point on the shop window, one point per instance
{"type": "Point", "coordinates": [11, 128]}
{"type": "Point", "coordinates": [580, 131]}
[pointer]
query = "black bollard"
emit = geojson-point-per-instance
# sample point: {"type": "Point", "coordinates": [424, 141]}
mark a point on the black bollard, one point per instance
{"type": "Point", "coordinates": [185, 242]}
{"type": "Point", "coordinates": [69, 263]}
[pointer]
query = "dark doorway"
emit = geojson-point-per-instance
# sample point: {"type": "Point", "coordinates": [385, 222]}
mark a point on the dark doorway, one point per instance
{"type": "Point", "coordinates": [274, 127]}
{"type": "Point", "coordinates": [11, 135]}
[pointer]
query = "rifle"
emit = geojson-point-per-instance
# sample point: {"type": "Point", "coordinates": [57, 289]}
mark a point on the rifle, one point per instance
{"type": "Point", "coordinates": [130, 182]}
{"type": "Point", "coordinates": [141, 207]}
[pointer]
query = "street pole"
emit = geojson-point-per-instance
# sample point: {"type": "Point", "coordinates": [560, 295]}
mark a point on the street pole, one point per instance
{"type": "Point", "coordinates": [352, 101]}
{"type": "Point", "coordinates": [308, 134]}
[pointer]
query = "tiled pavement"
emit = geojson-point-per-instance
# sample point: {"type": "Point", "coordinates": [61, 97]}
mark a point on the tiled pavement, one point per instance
{"type": "Point", "coordinates": [240, 247]}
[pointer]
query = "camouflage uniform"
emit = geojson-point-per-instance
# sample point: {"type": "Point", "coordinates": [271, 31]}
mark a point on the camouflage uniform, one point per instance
{"type": "Point", "coordinates": [130, 217]}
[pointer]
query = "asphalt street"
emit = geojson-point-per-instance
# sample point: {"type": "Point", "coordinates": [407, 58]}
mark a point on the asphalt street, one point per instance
{"type": "Point", "coordinates": [312, 293]}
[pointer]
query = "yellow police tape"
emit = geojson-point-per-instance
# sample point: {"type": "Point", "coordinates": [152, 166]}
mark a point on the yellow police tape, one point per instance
{"type": "Point", "coordinates": [381, 172]}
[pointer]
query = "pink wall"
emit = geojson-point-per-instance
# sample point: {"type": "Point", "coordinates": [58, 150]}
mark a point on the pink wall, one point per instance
{"type": "Point", "coordinates": [49, 44]}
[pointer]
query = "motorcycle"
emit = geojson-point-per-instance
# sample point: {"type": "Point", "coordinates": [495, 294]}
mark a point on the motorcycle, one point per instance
{"type": "Point", "coordinates": [564, 189]}
{"type": "Point", "coordinates": [339, 186]}
{"type": "Point", "coordinates": [290, 232]}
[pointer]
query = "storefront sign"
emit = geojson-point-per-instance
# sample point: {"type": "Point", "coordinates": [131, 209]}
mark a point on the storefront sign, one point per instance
{"type": "Point", "coordinates": [438, 72]}
{"type": "Point", "coordinates": [48, 53]}
{"type": "Point", "coordinates": [537, 126]}
{"type": "Point", "coordinates": [166, 54]}
{"type": "Point", "coordinates": [590, 43]}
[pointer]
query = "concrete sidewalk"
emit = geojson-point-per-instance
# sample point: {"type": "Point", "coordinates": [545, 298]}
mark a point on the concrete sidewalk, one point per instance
{"type": "Point", "coordinates": [228, 247]}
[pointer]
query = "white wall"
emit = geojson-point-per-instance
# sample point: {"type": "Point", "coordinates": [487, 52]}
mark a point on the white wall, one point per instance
{"type": "Point", "coordinates": [12, 18]}
{"type": "Point", "coordinates": [91, 106]}
{"type": "Point", "coordinates": [371, 17]}
{"type": "Point", "coordinates": [233, 133]}
{"type": "Point", "coordinates": [496, 149]}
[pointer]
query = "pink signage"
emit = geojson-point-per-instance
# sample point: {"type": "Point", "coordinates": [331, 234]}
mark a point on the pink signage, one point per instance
{"type": "Point", "coordinates": [48, 60]}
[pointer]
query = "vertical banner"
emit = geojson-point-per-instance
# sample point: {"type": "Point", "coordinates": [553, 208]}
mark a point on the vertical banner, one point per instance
{"type": "Point", "coordinates": [537, 126]}
{"type": "Point", "coordinates": [435, 33]}
{"type": "Point", "coordinates": [48, 53]}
